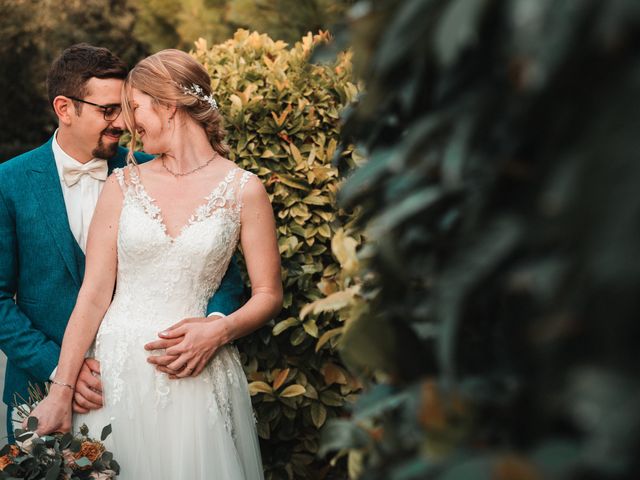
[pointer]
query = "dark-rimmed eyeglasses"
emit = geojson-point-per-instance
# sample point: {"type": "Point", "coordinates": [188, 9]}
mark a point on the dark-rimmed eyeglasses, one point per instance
{"type": "Point", "coordinates": [110, 112]}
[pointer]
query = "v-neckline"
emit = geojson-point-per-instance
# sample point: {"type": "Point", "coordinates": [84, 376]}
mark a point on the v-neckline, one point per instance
{"type": "Point", "coordinates": [194, 218]}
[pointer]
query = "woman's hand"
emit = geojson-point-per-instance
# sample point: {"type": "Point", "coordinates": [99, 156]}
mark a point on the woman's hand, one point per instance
{"type": "Point", "coordinates": [201, 339]}
{"type": "Point", "coordinates": [53, 412]}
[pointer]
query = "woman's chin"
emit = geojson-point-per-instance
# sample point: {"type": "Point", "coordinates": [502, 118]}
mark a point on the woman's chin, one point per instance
{"type": "Point", "coordinates": [149, 148]}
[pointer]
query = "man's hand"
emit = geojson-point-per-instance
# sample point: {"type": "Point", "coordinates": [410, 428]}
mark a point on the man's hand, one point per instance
{"type": "Point", "coordinates": [163, 361]}
{"type": "Point", "coordinates": [88, 390]}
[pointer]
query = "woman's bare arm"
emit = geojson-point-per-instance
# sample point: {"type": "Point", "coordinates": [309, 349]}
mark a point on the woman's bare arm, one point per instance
{"type": "Point", "coordinates": [92, 303]}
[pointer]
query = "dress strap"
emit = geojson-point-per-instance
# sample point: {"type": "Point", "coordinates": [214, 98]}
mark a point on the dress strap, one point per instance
{"type": "Point", "coordinates": [119, 173]}
{"type": "Point", "coordinates": [133, 175]}
{"type": "Point", "coordinates": [244, 179]}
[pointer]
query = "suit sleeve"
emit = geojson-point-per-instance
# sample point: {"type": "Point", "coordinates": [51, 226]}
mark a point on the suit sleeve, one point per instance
{"type": "Point", "coordinates": [228, 297]}
{"type": "Point", "coordinates": [26, 347]}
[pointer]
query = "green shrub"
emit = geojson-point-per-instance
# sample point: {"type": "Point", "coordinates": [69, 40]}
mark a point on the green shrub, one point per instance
{"type": "Point", "coordinates": [282, 116]}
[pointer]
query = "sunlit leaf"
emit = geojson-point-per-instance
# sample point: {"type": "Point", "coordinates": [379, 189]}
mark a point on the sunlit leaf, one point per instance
{"type": "Point", "coordinates": [259, 387]}
{"type": "Point", "coordinates": [292, 391]}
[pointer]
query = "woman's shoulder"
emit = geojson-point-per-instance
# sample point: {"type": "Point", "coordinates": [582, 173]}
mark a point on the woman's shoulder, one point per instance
{"type": "Point", "coordinates": [230, 171]}
{"type": "Point", "coordinates": [244, 177]}
{"type": "Point", "coordinates": [124, 176]}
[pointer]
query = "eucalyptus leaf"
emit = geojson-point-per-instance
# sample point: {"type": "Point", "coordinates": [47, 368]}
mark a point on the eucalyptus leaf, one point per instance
{"type": "Point", "coordinates": [106, 431]}
{"type": "Point", "coordinates": [32, 424]}
{"type": "Point", "coordinates": [83, 462]}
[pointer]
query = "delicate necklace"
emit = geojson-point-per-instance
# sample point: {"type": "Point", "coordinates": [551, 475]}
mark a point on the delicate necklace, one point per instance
{"type": "Point", "coordinates": [182, 174]}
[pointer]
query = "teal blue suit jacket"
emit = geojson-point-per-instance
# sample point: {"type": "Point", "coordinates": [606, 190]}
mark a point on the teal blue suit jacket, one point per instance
{"type": "Point", "coordinates": [42, 266]}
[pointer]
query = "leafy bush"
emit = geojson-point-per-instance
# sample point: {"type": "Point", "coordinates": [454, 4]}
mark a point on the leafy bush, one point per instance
{"type": "Point", "coordinates": [501, 192]}
{"type": "Point", "coordinates": [283, 121]}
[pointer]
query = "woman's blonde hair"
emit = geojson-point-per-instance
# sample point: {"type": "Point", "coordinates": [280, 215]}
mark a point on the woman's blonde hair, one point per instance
{"type": "Point", "coordinates": [165, 76]}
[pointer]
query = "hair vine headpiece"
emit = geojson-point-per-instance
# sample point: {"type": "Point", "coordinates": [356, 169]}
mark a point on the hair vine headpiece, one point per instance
{"type": "Point", "coordinates": [196, 91]}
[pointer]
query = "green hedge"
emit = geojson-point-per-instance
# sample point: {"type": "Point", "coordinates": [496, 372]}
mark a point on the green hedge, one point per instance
{"type": "Point", "coordinates": [502, 194]}
{"type": "Point", "coordinates": [282, 116]}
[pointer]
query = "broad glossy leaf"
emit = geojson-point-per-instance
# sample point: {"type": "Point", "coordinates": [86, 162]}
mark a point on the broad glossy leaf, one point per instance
{"type": "Point", "coordinates": [259, 387]}
{"type": "Point", "coordinates": [318, 414]}
{"type": "Point", "coordinates": [326, 336]}
{"type": "Point", "coordinates": [292, 391]}
{"type": "Point", "coordinates": [280, 378]}
{"type": "Point", "coordinates": [284, 325]}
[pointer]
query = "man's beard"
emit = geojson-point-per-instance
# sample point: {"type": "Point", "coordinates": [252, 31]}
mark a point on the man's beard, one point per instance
{"type": "Point", "coordinates": [103, 150]}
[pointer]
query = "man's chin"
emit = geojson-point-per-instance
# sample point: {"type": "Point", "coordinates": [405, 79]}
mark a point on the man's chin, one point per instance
{"type": "Point", "coordinates": [105, 150]}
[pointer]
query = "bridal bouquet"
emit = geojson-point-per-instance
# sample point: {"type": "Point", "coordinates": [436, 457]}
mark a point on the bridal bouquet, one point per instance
{"type": "Point", "coordinates": [59, 456]}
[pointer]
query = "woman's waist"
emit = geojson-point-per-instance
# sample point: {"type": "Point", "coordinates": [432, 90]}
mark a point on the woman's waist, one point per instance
{"type": "Point", "coordinates": [135, 315]}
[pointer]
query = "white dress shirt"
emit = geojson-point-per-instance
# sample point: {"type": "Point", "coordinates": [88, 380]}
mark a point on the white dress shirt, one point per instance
{"type": "Point", "coordinates": [81, 198]}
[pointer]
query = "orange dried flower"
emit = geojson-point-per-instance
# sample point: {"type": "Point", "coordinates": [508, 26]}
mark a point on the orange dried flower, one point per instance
{"type": "Point", "coordinates": [8, 458]}
{"type": "Point", "coordinates": [91, 450]}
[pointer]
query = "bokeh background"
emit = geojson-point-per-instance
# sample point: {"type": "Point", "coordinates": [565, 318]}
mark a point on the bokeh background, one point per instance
{"type": "Point", "coordinates": [34, 32]}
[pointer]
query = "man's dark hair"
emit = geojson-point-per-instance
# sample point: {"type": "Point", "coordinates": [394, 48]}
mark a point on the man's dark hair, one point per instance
{"type": "Point", "coordinates": [70, 72]}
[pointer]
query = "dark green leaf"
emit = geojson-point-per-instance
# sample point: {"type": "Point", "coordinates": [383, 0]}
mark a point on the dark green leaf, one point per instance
{"type": "Point", "coordinates": [53, 472]}
{"type": "Point", "coordinates": [32, 424]}
{"type": "Point", "coordinates": [106, 431]}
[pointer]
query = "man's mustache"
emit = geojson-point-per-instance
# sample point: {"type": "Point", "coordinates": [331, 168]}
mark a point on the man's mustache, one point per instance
{"type": "Point", "coordinates": [116, 132]}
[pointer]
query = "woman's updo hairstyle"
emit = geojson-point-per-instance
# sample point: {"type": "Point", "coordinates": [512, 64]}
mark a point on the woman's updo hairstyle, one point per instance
{"type": "Point", "coordinates": [173, 77]}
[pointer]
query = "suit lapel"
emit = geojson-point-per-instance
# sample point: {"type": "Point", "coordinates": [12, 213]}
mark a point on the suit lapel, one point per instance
{"type": "Point", "coordinates": [45, 185]}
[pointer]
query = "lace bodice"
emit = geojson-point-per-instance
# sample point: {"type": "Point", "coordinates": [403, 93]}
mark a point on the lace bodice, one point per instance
{"type": "Point", "coordinates": [176, 276]}
{"type": "Point", "coordinates": [163, 279]}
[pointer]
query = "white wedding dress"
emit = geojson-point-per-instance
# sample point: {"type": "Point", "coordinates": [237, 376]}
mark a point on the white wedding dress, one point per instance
{"type": "Point", "coordinates": [193, 428]}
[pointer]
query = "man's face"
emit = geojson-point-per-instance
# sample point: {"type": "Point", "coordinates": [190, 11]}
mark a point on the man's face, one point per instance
{"type": "Point", "coordinates": [92, 133]}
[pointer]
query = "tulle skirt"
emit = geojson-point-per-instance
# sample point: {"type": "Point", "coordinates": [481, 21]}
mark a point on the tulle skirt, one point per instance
{"type": "Point", "coordinates": [192, 428]}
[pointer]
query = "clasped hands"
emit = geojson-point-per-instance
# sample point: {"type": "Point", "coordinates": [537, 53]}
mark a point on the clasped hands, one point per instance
{"type": "Point", "coordinates": [188, 346]}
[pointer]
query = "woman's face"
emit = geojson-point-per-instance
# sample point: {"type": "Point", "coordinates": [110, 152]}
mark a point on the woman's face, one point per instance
{"type": "Point", "coordinates": [152, 123]}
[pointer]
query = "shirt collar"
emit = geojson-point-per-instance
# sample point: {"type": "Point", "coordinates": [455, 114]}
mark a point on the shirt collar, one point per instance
{"type": "Point", "coordinates": [63, 159]}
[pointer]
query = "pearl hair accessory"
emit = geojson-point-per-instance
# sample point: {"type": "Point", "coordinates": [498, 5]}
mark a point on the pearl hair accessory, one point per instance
{"type": "Point", "coordinates": [196, 91]}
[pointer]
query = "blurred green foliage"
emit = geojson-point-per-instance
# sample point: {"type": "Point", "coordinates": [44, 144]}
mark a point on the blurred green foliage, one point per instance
{"type": "Point", "coordinates": [288, 20]}
{"type": "Point", "coordinates": [177, 24]}
{"type": "Point", "coordinates": [283, 119]}
{"type": "Point", "coordinates": [164, 24]}
{"type": "Point", "coordinates": [34, 32]}
{"type": "Point", "coordinates": [501, 273]}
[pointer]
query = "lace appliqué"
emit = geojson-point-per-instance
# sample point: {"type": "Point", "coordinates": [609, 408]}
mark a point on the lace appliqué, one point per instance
{"type": "Point", "coordinates": [216, 199]}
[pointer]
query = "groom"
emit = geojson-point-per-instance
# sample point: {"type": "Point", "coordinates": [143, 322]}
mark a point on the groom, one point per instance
{"type": "Point", "coordinates": [47, 199]}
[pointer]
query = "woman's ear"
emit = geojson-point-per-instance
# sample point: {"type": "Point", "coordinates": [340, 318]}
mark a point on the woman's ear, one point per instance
{"type": "Point", "coordinates": [172, 109]}
{"type": "Point", "coordinates": [64, 109]}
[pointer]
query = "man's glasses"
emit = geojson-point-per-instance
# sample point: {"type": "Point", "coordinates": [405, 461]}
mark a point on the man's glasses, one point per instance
{"type": "Point", "coordinates": [110, 112]}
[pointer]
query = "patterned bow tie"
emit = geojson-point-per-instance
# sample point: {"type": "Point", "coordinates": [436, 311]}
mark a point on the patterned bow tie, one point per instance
{"type": "Point", "coordinates": [97, 169]}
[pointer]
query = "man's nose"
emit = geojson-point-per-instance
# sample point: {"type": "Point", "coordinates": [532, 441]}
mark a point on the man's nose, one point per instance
{"type": "Point", "coordinates": [118, 122]}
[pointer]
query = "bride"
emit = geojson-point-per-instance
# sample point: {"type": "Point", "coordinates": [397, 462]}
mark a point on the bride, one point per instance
{"type": "Point", "coordinates": [166, 231]}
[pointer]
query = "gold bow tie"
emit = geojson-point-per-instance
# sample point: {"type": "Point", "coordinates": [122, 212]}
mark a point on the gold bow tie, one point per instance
{"type": "Point", "coordinates": [97, 169]}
